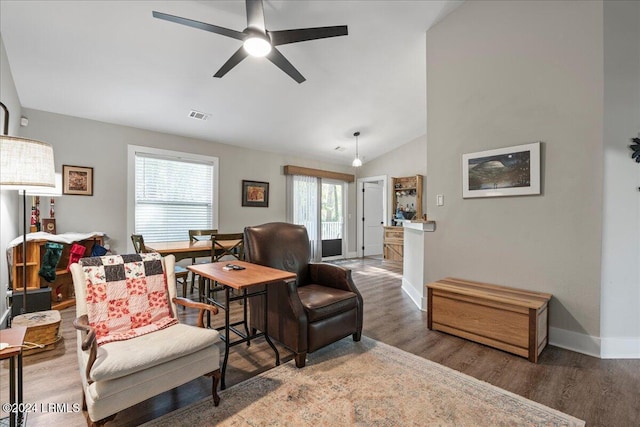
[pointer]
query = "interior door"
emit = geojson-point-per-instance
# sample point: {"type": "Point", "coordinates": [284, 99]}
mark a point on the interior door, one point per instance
{"type": "Point", "coordinates": [372, 218]}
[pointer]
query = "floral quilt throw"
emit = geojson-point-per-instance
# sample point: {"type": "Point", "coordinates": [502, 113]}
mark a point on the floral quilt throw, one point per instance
{"type": "Point", "coordinates": [126, 296]}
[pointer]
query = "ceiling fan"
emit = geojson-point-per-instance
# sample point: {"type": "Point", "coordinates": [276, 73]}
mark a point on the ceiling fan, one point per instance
{"type": "Point", "coordinates": [257, 40]}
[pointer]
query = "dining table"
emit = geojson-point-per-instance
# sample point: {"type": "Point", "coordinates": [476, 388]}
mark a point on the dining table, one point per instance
{"type": "Point", "coordinates": [184, 249]}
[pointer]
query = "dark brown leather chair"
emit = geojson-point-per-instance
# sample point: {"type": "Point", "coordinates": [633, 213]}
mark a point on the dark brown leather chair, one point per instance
{"type": "Point", "coordinates": [321, 307]}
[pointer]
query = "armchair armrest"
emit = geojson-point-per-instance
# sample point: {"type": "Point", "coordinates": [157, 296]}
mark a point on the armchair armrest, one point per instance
{"type": "Point", "coordinates": [334, 276]}
{"type": "Point", "coordinates": [89, 343]}
{"type": "Point", "coordinates": [331, 275]}
{"type": "Point", "coordinates": [186, 302]}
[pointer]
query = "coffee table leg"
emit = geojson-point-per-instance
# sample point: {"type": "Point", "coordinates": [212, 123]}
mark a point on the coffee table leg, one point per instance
{"type": "Point", "coordinates": [226, 337]}
{"type": "Point", "coordinates": [207, 287]}
{"type": "Point", "coordinates": [266, 328]}
{"type": "Point", "coordinates": [246, 326]}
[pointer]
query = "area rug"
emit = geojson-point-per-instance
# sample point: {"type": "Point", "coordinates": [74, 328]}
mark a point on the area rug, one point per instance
{"type": "Point", "coordinates": [367, 383]}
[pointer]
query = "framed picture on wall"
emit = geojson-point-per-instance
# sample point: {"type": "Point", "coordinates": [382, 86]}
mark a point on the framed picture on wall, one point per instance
{"type": "Point", "coordinates": [77, 180]}
{"type": "Point", "coordinates": [255, 193]}
{"type": "Point", "coordinates": [510, 171]}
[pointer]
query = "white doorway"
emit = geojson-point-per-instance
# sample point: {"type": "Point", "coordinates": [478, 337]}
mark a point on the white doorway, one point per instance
{"type": "Point", "coordinates": [371, 215]}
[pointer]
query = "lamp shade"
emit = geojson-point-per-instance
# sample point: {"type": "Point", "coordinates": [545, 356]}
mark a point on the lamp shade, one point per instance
{"type": "Point", "coordinates": [356, 161]}
{"type": "Point", "coordinates": [25, 163]}
{"type": "Point", "coordinates": [45, 191]}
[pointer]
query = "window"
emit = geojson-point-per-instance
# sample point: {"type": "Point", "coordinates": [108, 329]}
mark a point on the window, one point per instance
{"type": "Point", "coordinates": [171, 193]}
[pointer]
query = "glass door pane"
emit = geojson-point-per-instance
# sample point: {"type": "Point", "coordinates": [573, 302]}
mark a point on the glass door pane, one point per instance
{"type": "Point", "coordinates": [332, 218]}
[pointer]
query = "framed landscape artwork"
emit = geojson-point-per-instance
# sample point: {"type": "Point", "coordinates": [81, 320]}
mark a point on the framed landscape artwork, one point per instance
{"type": "Point", "coordinates": [255, 193]}
{"type": "Point", "coordinates": [77, 180]}
{"type": "Point", "coordinates": [510, 171]}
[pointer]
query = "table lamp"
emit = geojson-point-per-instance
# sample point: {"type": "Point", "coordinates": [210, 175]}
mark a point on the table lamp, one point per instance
{"type": "Point", "coordinates": [25, 163]}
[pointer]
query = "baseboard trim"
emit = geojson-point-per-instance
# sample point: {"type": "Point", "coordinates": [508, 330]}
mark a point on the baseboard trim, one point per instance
{"type": "Point", "coordinates": [419, 300]}
{"type": "Point", "coordinates": [620, 348]}
{"type": "Point", "coordinates": [602, 348]}
{"type": "Point", "coordinates": [574, 341]}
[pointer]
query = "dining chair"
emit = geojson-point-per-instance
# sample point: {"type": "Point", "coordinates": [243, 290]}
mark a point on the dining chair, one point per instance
{"type": "Point", "coordinates": [229, 246]}
{"type": "Point", "coordinates": [182, 273]}
{"type": "Point", "coordinates": [194, 236]}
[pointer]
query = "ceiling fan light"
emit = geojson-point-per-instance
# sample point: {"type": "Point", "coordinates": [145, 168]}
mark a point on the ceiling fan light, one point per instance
{"type": "Point", "coordinates": [257, 46]}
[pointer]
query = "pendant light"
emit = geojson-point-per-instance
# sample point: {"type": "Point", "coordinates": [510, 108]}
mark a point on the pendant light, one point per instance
{"type": "Point", "coordinates": [356, 162]}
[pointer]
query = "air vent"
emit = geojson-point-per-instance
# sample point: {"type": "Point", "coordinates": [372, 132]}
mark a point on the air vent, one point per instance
{"type": "Point", "coordinates": [339, 148]}
{"type": "Point", "coordinates": [198, 115]}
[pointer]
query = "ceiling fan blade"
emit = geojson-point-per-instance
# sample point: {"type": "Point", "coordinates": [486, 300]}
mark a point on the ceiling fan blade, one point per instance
{"type": "Point", "coordinates": [232, 62]}
{"type": "Point", "coordinates": [303, 34]}
{"type": "Point", "coordinates": [255, 15]}
{"type": "Point", "coordinates": [281, 62]}
{"type": "Point", "coordinates": [200, 25]}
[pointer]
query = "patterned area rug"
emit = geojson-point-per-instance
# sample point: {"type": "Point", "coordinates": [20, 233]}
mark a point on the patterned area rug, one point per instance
{"type": "Point", "coordinates": [366, 384]}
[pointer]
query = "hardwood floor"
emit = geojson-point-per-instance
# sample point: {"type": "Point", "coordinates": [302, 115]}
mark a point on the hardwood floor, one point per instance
{"type": "Point", "coordinates": [601, 392]}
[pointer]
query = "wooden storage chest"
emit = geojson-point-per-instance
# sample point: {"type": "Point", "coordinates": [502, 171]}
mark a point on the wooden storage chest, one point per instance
{"type": "Point", "coordinates": [509, 319]}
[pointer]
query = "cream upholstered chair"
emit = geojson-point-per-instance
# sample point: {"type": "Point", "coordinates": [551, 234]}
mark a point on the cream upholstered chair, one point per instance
{"type": "Point", "coordinates": [116, 372]}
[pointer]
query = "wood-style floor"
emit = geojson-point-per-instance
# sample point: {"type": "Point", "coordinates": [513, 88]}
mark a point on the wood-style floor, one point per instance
{"type": "Point", "coordinates": [601, 392]}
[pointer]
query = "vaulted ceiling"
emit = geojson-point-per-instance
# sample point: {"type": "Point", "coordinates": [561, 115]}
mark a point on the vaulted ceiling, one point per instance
{"type": "Point", "coordinates": [112, 61]}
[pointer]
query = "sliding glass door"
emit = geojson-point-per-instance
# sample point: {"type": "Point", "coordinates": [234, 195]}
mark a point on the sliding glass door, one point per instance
{"type": "Point", "coordinates": [319, 206]}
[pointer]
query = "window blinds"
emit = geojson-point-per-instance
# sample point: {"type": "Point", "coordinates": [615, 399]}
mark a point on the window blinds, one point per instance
{"type": "Point", "coordinates": [172, 196]}
{"type": "Point", "coordinates": [306, 209]}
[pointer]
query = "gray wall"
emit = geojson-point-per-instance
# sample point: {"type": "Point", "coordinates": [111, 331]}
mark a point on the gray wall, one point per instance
{"type": "Point", "coordinates": [407, 160]}
{"type": "Point", "coordinates": [620, 305]}
{"type": "Point", "coordinates": [9, 206]}
{"type": "Point", "coordinates": [103, 146]}
{"type": "Point", "coordinates": [508, 73]}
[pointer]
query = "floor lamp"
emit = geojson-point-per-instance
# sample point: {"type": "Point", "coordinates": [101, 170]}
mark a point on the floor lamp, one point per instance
{"type": "Point", "coordinates": [25, 163]}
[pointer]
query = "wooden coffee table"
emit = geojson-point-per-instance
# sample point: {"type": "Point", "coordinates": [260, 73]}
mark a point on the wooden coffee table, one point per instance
{"type": "Point", "coordinates": [242, 280]}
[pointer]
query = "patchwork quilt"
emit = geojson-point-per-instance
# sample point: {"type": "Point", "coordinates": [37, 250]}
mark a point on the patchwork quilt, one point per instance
{"type": "Point", "coordinates": [127, 296]}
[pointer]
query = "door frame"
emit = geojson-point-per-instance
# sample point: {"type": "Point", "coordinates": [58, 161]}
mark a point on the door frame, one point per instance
{"type": "Point", "coordinates": [360, 207]}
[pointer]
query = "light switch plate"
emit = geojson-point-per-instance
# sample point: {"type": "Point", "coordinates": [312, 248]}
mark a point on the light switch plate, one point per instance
{"type": "Point", "coordinates": [440, 200]}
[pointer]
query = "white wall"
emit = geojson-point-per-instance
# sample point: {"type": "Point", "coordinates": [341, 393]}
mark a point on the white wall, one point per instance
{"type": "Point", "coordinates": [9, 207]}
{"type": "Point", "coordinates": [103, 146]}
{"type": "Point", "coordinates": [620, 306]}
{"type": "Point", "coordinates": [508, 73]}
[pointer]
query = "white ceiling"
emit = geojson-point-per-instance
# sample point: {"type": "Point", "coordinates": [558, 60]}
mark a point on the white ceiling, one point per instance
{"type": "Point", "coordinates": [112, 61]}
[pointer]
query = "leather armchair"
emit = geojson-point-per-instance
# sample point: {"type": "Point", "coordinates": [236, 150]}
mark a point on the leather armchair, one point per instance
{"type": "Point", "coordinates": [322, 306]}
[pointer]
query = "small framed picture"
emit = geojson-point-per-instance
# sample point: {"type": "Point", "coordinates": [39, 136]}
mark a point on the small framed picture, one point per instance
{"type": "Point", "coordinates": [255, 193]}
{"type": "Point", "coordinates": [77, 180]}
